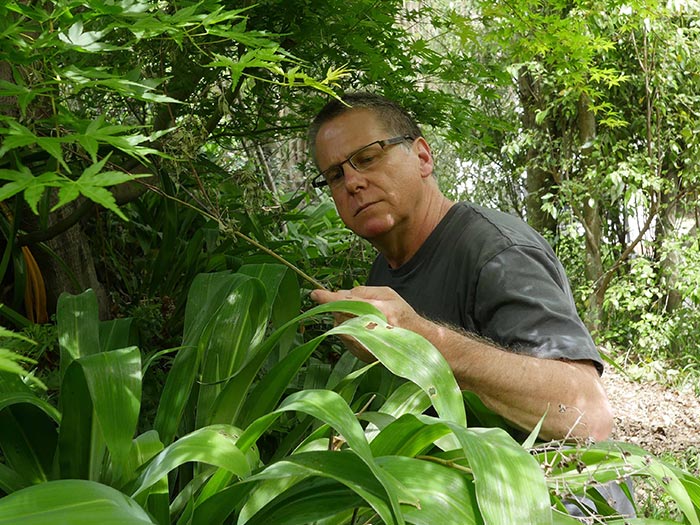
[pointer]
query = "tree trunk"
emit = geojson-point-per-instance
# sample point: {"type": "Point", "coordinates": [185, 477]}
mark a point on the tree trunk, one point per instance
{"type": "Point", "coordinates": [592, 223]}
{"type": "Point", "coordinates": [667, 230]}
{"type": "Point", "coordinates": [539, 182]}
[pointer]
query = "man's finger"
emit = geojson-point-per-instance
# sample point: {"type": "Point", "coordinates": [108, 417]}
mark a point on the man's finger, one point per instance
{"type": "Point", "coordinates": [325, 296]}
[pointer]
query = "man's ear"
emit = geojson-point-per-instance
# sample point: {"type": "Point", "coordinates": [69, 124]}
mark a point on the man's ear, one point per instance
{"type": "Point", "coordinates": [425, 156]}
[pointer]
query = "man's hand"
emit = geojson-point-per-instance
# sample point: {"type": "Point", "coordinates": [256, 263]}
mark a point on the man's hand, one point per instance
{"type": "Point", "coordinates": [397, 311]}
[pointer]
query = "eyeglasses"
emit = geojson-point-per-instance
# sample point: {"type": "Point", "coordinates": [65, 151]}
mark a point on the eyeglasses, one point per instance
{"type": "Point", "coordinates": [363, 159]}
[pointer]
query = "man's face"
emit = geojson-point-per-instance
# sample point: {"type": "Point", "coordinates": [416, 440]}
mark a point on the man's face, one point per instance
{"type": "Point", "coordinates": [373, 202]}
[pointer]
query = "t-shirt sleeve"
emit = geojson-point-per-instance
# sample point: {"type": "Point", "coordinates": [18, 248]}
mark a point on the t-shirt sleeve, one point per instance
{"type": "Point", "coordinates": [523, 302]}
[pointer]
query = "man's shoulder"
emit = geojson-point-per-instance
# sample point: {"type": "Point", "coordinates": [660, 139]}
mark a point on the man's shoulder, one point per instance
{"type": "Point", "coordinates": [493, 230]}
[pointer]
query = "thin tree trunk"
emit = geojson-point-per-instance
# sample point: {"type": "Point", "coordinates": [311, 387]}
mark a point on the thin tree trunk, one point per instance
{"type": "Point", "coordinates": [539, 182]}
{"type": "Point", "coordinates": [592, 223]}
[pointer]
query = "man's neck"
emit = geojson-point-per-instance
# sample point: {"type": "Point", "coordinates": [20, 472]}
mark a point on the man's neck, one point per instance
{"type": "Point", "coordinates": [399, 247]}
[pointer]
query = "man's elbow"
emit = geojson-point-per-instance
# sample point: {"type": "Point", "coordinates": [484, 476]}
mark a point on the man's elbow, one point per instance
{"type": "Point", "coordinates": [600, 423]}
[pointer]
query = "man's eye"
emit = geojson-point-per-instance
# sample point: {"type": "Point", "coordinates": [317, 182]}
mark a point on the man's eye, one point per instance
{"type": "Point", "coordinates": [334, 176]}
{"type": "Point", "coordinates": [365, 159]}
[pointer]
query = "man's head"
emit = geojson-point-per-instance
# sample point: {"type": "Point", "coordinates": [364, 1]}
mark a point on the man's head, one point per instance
{"type": "Point", "coordinates": [395, 120]}
{"type": "Point", "coordinates": [378, 165]}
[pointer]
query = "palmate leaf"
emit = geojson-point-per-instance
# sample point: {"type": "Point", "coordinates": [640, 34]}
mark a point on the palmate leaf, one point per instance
{"type": "Point", "coordinates": [71, 502]}
{"type": "Point", "coordinates": [22, 180]}
{"type": "Point", "coordinates": [92, 183]}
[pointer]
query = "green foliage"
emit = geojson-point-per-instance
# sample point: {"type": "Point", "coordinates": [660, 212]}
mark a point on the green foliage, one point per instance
{"type": "Point", "coordinates": [69, 63]}
{"type": "Point", "coordinates": [10, 362]}
{"type": "Point", "coordinates": [231, 383]}
{"type": "Point", "coordinates": [198, 97]}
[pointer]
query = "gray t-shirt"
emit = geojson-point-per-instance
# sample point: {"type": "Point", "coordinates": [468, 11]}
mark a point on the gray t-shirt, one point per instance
{"type": "Point", "coordinates": [492, 274]}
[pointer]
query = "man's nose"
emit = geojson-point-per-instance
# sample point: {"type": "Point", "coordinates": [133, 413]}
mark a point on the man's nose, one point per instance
{"type": "Point", "coordinates": [354, 180]}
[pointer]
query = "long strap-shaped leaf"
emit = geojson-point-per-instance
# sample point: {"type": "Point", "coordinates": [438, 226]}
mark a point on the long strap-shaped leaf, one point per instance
{"type": "Point", "coordinates": [101, 393]}
{"type": "Point", "coordinates": [410, 356]}
{"type": "Point", "coordinates": [286, 505]}
{"type": "Point", "coordinates": [78, 326]}
{"type": "Point", "coordinates": [71, 501]}
{"type": "Point", "coordinates": [332, 409]}
{"type": "Point", "coordinates": [214, 445]}
{"type": "Point", "coordinates": [208, 293]}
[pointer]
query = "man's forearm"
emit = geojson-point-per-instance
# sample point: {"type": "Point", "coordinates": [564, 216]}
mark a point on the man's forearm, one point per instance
{"type": "Point", "coordinates": [522, 388]}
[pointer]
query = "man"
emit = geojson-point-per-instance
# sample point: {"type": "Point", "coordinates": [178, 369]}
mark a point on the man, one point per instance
{"type": "Point", "coordinates": [483, 287]}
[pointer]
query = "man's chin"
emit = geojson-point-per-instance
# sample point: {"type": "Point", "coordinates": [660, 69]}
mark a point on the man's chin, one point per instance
{"type": "Point", "coordinates": [373, 229]}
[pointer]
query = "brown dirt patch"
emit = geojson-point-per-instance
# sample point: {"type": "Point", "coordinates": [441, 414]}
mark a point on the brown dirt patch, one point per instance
{"type": "Point", "coordinates": [658, 418]}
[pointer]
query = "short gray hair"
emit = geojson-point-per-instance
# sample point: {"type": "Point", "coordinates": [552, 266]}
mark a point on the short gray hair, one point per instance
{"type": "Point", "coordinates": [394, 118]}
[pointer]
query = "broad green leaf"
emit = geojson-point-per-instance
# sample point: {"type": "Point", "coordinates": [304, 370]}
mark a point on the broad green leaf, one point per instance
{"type": "Point", "coordinates": [270, 389]}
{"type": "Point", "coordinates": [114, 381]}
{"type": "Point", "coordinates": [496, 459]}
{"type": "Point", "coordinates": [206, 295]}
{"type": "Point", "coordinates": [11, 481]}
{"type": "Point", "coordinates": [408, 398]}
{"type": "Point", "coordinates": [330, 408]}
{"type": "Point", "coordinates": [410, 356]}
{"type": "Point", "coordinates": [444, 494]}
{"type": "Point", "coordinates": [214, 510]}
{"type": "Point", "coordinates": [28, 437]}
{"type": "Point", "coordinates": [78, 326]}
{"type": "Point", "coordinates": [79, 446]}
{"type": "Point", "coordinates": [236, 327]}
{"type": "Point", "coordinates": [214, 445]}
{"type": "Point", "coordinates": [143, 448]}
{"type": "Point", "coordinates": [71, 502]}
{"type": "Point", "coordinates": [234, 394]}
{"type": "Point", "coordinates": [282, 290]}
{"type": "Point", "coordinates": [407, 436]}
{"type": "Point", "coordinates": [116, 334]}
{"type": "Point", "coordinates": [13, 398]}
{"type": "Point", "coordinates": [299, 503]}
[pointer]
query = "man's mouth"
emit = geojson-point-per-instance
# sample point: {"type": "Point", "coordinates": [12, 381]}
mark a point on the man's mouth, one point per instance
{"type": "Point", "coordinates": [363, 207]}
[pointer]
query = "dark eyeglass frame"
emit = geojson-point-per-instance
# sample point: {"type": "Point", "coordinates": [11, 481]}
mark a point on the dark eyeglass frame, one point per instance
{"type": "Point", "coordinates": [319, 181]}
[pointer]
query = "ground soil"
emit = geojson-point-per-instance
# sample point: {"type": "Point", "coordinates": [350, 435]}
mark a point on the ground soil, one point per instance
{"type": "Point", "coordinates": [658, 418]}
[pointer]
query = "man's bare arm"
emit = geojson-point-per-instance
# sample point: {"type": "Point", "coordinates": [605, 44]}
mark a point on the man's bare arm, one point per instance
{"type": "Point", "coordinates": [521, 388]}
